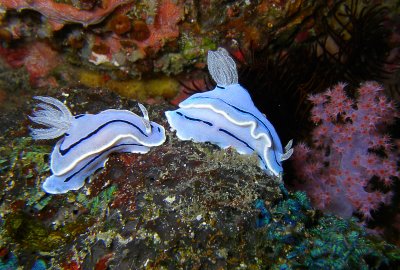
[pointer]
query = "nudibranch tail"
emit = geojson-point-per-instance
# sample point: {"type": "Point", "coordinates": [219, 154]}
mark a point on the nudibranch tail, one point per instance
{"type": "Point", "coordinates": [53, 114]}
{"type": "Point", "coordinates": [222, 67]}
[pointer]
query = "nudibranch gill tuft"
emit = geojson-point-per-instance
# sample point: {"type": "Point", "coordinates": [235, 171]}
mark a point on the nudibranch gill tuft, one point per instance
{"type": "Point", "coordinates": [227, 117]}
{"type": "Point", "coordinates": [88, 139]}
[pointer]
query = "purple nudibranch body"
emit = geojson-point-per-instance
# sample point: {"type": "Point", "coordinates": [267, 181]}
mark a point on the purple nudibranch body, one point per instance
{"type": "Point", "coordinates": [88, 139]}
{"type": "Point", "coordinates": [227, 117]}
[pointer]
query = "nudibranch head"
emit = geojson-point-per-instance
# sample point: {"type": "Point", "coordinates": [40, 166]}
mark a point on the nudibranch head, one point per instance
{"type": "Point", "coordinates": [89, 139]}
{"type": "Point", "coordinates": [227, 117]}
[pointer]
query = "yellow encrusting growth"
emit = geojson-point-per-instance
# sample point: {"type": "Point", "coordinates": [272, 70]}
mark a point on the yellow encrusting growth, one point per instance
{"type": "Point", "coordinates": [165, 87]}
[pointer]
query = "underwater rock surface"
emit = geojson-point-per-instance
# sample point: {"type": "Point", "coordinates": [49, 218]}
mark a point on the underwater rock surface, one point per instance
{"type": "Point", "coordinates": [181, 198]}
{"type": "Point", "coordinates": [183, 205]}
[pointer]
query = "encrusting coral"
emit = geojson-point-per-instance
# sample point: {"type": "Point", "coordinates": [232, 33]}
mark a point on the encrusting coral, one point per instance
{"type": "Point", "coordinates": [351, 156]}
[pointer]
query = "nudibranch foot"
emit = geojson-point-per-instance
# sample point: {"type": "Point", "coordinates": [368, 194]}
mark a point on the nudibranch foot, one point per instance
{"type": "Point", "coordinates": [75, 179]}
{"type": "Point", "coordinates": [89, 139]}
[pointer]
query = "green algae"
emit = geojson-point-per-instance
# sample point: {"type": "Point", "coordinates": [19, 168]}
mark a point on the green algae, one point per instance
{"type": "Point", "coordinates": [33, 235]}
{"type": "Point", "coordinates": [37, 199]}
{"type": "Point", "coordinates": [97, 204]}
{"type": "Point", "coordinates": [42, 203]}
{"type": "Point", "coordinates": [22, 154]}
{"type": "Point", "coordinates": [194, 48]}
{"type": "Point", "coordinates": [28, 162]}
{"type": "Point", "coordinates": [23, 164]}
{"type": "Point", "coordinates": [171, 63]}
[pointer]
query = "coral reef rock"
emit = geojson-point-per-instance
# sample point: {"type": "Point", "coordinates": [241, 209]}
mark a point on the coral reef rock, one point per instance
{"type": "Point", "coordinates": [183, 205]}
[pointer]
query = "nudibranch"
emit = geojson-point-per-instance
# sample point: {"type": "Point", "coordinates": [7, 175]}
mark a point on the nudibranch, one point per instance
{"type": "Point", "coordinates": [227, 117]}
{"type": "Point", "coordinates": [88, 139]}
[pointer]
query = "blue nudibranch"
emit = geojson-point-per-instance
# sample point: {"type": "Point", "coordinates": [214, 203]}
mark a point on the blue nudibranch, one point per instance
{"type": "Point", "coordinates": [227, 116]}
{"type": "Point", "coordinates": [89, 139]}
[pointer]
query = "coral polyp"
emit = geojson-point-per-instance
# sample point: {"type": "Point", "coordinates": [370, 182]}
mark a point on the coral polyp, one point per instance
{"type": "Point", "coordinates": [120, 24]}
{"type": "Point", "coordinates": [140, 31]}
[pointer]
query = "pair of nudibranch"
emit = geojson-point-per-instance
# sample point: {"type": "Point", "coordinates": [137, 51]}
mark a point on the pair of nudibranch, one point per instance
{"type": "Point", "coordinates": [225, 116]}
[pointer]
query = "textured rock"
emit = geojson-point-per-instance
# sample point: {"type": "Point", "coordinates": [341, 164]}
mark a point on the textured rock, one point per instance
{"type": "Point", "coordinates": [182, 205]}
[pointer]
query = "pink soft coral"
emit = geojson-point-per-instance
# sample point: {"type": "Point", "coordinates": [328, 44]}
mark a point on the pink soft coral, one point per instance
{"type": "Point", "coordinates": [349, 150]}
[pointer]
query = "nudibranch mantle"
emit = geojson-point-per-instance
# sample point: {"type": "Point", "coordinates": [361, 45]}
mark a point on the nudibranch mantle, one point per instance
{"type": "Point", "coordinates": [89, 139]}
{"type": "Point", "coordinates": [227, 116]}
